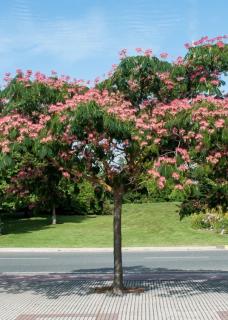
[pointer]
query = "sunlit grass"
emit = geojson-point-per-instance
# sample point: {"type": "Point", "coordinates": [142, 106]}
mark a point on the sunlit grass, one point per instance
{"type": "Point", "coordinates": [149, 224]}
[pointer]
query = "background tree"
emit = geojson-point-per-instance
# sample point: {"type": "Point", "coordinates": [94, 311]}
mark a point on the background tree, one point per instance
{"type": "Point", "coordinates": [24, 104]}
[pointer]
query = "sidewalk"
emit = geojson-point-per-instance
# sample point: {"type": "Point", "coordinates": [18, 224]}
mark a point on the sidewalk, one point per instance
{"type": "Point", "coordinates": [56, 297]}
{"type": "Point", "coordinates": [124, 249]}
{"type": "Point", "coordinates": [169, 295]}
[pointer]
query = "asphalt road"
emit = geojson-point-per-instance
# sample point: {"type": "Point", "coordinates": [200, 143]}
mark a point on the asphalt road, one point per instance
{"type": "Point", "coordinates": [102, 262]}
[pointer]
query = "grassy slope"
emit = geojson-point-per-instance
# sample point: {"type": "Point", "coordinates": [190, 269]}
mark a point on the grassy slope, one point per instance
{"type": "Point", "coordinates": [150, 224]}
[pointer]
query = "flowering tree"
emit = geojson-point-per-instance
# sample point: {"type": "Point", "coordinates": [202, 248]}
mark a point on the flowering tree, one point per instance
{"type": "Point", "coordinates": [39, 181]}
{"type": "Point", "coordinates": [145, 77]}
{"type": "Point", "coordinates": [152, 85]}
{"type": "Point", "coordinates": [114, 145]}
{"type": "Point", "coordinates": [150, 117]}
{"type": "Point", "coordinates": [24, 107]}
{"type": "Point", "coordinates": [180, 129]}
{"type": "Point", "coordinates": [191, 144]}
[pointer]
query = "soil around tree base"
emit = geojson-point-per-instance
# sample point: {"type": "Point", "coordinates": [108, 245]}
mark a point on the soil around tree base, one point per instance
{"type": "Point", "coordinates": [118, 291]}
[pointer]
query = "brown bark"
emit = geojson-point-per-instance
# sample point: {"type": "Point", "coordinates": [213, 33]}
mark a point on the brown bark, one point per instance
{"type": "Point", "coordinates": [118, 268]}
{"type": "Point", "coordinates": [1, 226]}
{"type": "Point", "coordinates": [53, 214]}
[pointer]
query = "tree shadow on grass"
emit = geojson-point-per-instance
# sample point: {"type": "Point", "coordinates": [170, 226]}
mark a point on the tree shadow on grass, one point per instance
{"type": "Point", "coordinates": [27, 225]}
{"type": "Point", "coordinates": [166, 282]}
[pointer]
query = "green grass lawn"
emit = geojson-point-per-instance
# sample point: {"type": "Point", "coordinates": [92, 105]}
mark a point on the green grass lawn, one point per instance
{"type": "Point", "coordinates": [150, 224]}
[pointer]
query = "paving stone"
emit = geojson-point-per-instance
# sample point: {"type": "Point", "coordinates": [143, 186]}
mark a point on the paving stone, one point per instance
{"type": "Point", "coordinates": [73, 299]}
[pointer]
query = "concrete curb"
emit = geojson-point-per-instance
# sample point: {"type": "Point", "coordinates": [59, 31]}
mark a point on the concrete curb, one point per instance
{"type": "Point", "coordinates": [151, 276]}
{"type": "Point", "coordinates": [104, 250]}
{"type": "Point", "coordinates": [161, 276]}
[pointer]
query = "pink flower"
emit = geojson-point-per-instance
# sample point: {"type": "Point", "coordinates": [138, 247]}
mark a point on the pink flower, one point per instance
{"type": "Point", "coordinates": [202, 80]}
{"type": "Point", "coordinates": [188, 182]}
{"type": "Point", "coordinates": [180, 78]}
{"type": "Point", "coordinates": [183, 167]}
{"type": "Point", "coordinates": [175, 175]}
{"type": "Point", "coordinates": [136, 138]}
{"type": "Point", "coordinates": [184, 154]}
{"type": "Point", "coordinates": [161, 182]}
{"type": "Point", "coordinates": [97, 80]}
{"type": "Point", "coordinates": [138, 50]}
{"type": "Point", "coordinates": [154, 173]}
{"type": "Point", "coordinates": [199, 136]}
{"type": "Point", "coordinates": [66, 174]}
{"type": "Point", "coordinates": [157, 140]}
{"type": "Point", "coordinates": [90, 136]}
{"type": "Point", "coordinates": [46, 139]}
{"type": "Point", "coordinates": [218, 155]}
{"type": "Point", "coordinates": [212, 160]}
{"type": "Point", "coordinates": [123, 54]}
{"type": "Point", "coordinates": [133, 85]}
{"type": "Point", "coordinates": [29, 73]}
{"type": "Point", "coordinates": [164, 55]}
{"type": "Point", "coordinates": [179, 187]}
{"type": "Point", "coordinates": [148, 52]}
{"type": "Point", "coordinates": [19, 72]}
{"type": "Point", "coordinates": [220, 44]}
{"type": "Point", "coordinates": [215, 82]}
{"type": "Point", "coordinates": [21, 174]}
{"type": "Point", "coordinates": [179, 61]}
{"type": "Point", "coordinates": [187, 46]}
{"type": "Point", "coordinates": [219, 123]}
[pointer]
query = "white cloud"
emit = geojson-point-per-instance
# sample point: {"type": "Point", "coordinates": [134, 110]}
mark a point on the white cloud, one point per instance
{"type": "Point", "coordinates": [21, 11]}
{"type": "Point", "coordinates": [68, 40]}
{"type": "Point", "coordinates": [27, 36]}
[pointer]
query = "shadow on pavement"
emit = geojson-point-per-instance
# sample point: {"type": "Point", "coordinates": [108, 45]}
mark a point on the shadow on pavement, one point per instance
{"type": "Point", "coordinates": [171, 283]}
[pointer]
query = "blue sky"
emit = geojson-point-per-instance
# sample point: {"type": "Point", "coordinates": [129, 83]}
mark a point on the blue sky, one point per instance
{"type": "Point", "coordinates": [82, 38]}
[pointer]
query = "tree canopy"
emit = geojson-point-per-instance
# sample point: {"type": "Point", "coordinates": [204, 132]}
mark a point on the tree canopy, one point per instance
{"type": "Point", "coordinates": [150, 120]}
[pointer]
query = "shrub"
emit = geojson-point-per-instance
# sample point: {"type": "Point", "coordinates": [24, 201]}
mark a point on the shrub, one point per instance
{"type": "Point", "coordinates": [199, 221]}
{"type": "Point", "coordinates": [82, 199]}
{"type": "Point", "coordinates": [213, 219]}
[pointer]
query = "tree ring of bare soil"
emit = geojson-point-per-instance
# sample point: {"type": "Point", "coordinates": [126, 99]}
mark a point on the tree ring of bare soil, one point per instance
{"type": "Point", "coordinates": [118, 291]}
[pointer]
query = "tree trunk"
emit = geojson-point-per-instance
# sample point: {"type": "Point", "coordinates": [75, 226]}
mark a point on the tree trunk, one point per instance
{"type": "Point", "coordinates": [1, 226]}
{"type": "Point", "coordinates": [53, 214]}
{"type": "Point", "coordinates": [118, 268]}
